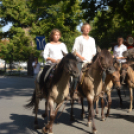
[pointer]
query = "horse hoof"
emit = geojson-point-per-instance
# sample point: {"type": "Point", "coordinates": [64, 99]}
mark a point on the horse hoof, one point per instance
{"type": "Point", "coordinates": [102, 119]}
{"type": "Point", "coordinates": [130, 110]}
{"type": "Point", "coordinates": [44, 131]}
{"type": "Point", "coordinates": [94, 131]}
{"type": "Point", "coordinates": [44, 116]}
{"type": "Point", "coordinates": [97, 115]}
{"type": "Point", "coordinates": [106, 107]}
{"type": "Point", "coordinates": [89, 124]}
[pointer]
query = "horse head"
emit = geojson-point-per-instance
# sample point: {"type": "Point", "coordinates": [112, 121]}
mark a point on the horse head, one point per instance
{"type": "Point", "coordinates": [70, 64]}
{"type": "Point", "coordinates": [106, 61]}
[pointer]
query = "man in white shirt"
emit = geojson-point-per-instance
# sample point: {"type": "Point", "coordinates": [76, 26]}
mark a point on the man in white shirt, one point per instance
{"type": "Point", "coordinates": [36, 67]}
{"type": "Point", "coordinates": [85, 49]}
{"type": "Point", "coordinates": [85, 45]}
{"type": "Point", "coordinates": [118, 51]}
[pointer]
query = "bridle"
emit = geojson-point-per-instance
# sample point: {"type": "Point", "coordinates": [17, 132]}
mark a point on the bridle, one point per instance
{"type": "Point", "coordinates": [102, 68]}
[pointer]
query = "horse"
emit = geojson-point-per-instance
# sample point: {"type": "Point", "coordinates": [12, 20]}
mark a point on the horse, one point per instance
{"type": "Point", "coordinates": [111, 79]}
{"type": "Point", "coordinates": [91, 85]}
{"type": "Point", "coordinates": [127, 74]}
{"type": "Point", "coordinates": [59, 89]}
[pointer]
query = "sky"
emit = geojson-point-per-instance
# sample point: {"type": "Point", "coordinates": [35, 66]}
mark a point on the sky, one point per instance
{"type": "Point", "coordinates": [7, 27]}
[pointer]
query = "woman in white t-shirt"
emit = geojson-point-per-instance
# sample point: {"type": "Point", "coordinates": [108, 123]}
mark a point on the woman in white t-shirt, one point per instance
{"type": "Point", "coordinates": [53, 49]}
{"type": "Point", "coordinates": [118, 51]}
{"type": "Point", "coordinates": [52, 52]}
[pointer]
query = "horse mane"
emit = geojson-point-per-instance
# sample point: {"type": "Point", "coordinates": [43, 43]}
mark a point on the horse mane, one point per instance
{"type": "Point", "coordinates": [104, 53]}
{"type": "Point", "coordinates": [59, 70]}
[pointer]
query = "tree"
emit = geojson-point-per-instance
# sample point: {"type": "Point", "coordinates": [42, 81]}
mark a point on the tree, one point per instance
{"type": "Point", "coordinates": [110, 19]}
{"type": "Point", "coordinates": [31, 18]}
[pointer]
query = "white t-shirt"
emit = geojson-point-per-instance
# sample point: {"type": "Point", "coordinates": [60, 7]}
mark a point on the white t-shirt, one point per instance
{"type": "Point", "coordinates": [36, 69]}
{"type": "Point", "coordinates": [54, 51]}
{"type": "Point", "coordinates": [118, 50]}
{"type": "Point", "coordinates": [86, 48]}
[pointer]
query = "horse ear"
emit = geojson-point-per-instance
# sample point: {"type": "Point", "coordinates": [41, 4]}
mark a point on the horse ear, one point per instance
{"type": "Point", "coordinates": [74, 52]}
{"type": "Point", "coordinates": [110, 49]}
{"type": "Point", "coordinates": [64, 54]}
{"type": "Point", "coordinates": [98, 49]}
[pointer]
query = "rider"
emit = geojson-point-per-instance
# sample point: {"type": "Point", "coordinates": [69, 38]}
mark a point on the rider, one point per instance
{"type": "Point", "coordinates": [85, 48]}
{"type": "Point", "coordinates": [52, 52]}
{"type": "Point", "coordinates": [119, 49]}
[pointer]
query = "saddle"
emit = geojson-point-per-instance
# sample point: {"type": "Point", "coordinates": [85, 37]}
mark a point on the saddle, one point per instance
{"type": "Point", "coordinates": [44, 79]}
{"type": "Point", "coordinates": [47, 74]}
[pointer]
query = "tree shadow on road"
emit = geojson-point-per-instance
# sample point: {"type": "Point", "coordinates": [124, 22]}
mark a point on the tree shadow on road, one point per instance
{"type": "Point", "coordinates": [24, 124]}
{"type": "Point", "coordinates": [20, 124]}
{"type": "Point", "coordinates": [10, 87]}
{"type": "Point", "coordinates": [129, 118]}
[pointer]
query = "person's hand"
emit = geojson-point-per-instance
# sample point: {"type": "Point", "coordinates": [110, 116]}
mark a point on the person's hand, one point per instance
{"type": "Point", "coordinates": [82, 58]}
{"type": "Point", "coordinates": [53, 60]}
{"type": "Point", "coordinates": [118, 57]}
{"type": "Point", "coordinates": [57, 61]}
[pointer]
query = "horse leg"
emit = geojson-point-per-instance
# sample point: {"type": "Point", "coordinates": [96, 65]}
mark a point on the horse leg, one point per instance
{"type": "Point", "coordinates": [36, 111]}
{"type": "Point", "coordinates": [96, 110]}
{"type": "Point", "coordinates": [53, 114]}
{"type": "Point", "coordinates": [72, 104]}
{"type": "Point", "coordinates": [46, 110]}
{"type": "Point", "coordinates": [83, 111]}
{"type": "Point", "coordinates": [91, 112]}
{"type": "Point", "coordinates": [119, 94]}
{"type": "Point", "coordinates": [131, 99]}
{"type": "Point", "coordinates": [109, 103]}
{"type": "Point", "coordinates": [102, 109]}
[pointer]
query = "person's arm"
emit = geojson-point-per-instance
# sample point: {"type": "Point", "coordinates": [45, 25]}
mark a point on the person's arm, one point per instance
{"type": "Point", "coordinates": [34, 65]}
{"type": "Point", "coordinates": [76, 48]}
{"type": "Point", "coordinates": [78, 55]}
{"type": "Point", "coordinates": [94, 48]}
{"type": "Point", "coordinates": [64, 48]}
{"type": "Point", "coordinates": [46, 54]}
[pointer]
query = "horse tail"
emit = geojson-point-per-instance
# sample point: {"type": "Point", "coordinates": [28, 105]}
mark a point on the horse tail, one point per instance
{"type": "Point", "coordinates": [32, 101]}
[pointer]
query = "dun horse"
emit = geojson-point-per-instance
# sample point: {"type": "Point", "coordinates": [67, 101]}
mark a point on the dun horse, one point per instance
{"type": "Point", "coordinates": [128, 73]}
{"type": "Point", "coordinates": [91, 87]}
{"type": "Point", "coordinates": [59, 89]}
{"type": "Point", "coordinates": [110, 81]}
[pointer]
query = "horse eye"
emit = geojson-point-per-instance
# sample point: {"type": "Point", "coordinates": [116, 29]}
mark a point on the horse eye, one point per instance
{"type": "Point", "coordinates": [113, 76]}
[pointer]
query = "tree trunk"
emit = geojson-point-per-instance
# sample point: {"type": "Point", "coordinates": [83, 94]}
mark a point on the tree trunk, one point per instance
{"type": "Point", "coordinates": [29, 66]}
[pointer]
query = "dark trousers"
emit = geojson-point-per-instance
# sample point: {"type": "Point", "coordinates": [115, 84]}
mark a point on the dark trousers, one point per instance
{"type": "Point", "coordinates": [75, 80]}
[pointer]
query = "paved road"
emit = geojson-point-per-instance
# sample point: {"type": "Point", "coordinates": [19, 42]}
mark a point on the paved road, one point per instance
{"type": "Point", "coordinates": [15, 119]}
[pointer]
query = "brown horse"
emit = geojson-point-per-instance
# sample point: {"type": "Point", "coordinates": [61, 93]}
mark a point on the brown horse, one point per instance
{"type": "Point", "coordinates": [111, 79]}
{"type": "Point", "coordinates": [91, 87]}
{"type": "Point", "coordinates": [128, 73]}
{"type": "Point", "coordinates": [59, 89]}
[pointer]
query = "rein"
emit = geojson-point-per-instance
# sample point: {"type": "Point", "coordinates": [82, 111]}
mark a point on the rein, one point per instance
{"type": "Point", "coordinates": [100, 64]}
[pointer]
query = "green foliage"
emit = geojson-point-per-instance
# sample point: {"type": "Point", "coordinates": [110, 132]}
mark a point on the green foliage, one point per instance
{"type": "Point", "coordinates": [31, 18]}
{"type": "Point", "coordinates": [109, 19]}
